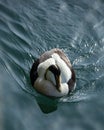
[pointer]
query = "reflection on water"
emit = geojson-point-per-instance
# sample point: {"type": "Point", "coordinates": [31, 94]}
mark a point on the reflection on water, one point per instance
{"type": "Point", "coordinates": [27, 29]}
{"type": "Point", "coordinates": [46, 104]}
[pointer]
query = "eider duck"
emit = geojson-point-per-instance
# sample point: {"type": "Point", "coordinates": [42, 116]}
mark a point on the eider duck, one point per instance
{"type": "Point", "coordinates": [52, 74]}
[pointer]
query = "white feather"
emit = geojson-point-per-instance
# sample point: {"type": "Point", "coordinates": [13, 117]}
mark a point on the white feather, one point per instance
{"type": "Point", "coordinates": [66, 73]}
{"type": "Point", "coordinates": [44, 65]}
{"type": "Point", "coordinates": [47, 88]}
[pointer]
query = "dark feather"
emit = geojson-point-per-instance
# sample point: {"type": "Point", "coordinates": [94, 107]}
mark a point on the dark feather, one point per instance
{"type": "Point", "coordinates": [71, 82]}
{"type": "Point", "coordinates": [33, 72]}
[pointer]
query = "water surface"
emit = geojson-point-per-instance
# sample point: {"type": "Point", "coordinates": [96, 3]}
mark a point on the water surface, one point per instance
{"type": "Point", "coordinates": [29, 28]}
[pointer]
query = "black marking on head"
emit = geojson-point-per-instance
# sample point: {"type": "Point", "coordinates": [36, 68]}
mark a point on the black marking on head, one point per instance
{"type": "Point", "coordinates": [33, 72]}
{"type": "Point", "coordinates": [55, 70]}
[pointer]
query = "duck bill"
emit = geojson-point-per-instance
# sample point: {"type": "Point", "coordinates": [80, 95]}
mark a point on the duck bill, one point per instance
{"type": "Point", "coordinates": [58, 83]}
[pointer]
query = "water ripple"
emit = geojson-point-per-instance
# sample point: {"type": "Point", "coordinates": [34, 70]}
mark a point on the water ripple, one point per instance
{"type": "Point", "coordinates": [76, 27]}
{"type": "Point", "coordinates": [8, 13]}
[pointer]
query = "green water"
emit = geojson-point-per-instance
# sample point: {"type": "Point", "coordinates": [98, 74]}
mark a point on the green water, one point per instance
{"type": "Point", "coordinates": [29, 28]}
